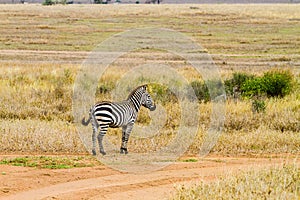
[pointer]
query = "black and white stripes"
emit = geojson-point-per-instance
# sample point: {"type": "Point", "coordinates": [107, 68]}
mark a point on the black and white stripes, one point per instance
{"type": "Point", "coordinates": [118, 114]}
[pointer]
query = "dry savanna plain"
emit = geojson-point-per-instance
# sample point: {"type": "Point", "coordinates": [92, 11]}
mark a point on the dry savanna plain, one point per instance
{"type": "Point", "coordinates": [41, 52]}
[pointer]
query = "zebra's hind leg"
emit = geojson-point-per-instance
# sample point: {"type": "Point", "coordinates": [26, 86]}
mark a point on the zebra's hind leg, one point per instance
{"type": "Point", "coordinates": [95, 130]}
{"type": "Point", "coordinates": [94, 143]}
{"type": "Point", "coordinates": [103, 130]}
{"type": "Point", "coordinates": [100, 139]}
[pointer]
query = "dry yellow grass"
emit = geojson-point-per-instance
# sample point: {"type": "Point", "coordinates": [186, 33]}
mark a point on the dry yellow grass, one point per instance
{"type": "Point", "coordinates": [30, 126]}
{"type": "Point", "coordinates": [281, 182]}
{"type": "Point", "coordinates": [40, 60]}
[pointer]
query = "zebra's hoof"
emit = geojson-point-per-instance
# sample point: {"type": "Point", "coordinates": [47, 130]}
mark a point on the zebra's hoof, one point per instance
{"type": "Point", "coordinates": [93, 152]}
{"type": "Point", "coordinates": [103, 153]}
{"type": "Point", "coordinates": [123, 151]}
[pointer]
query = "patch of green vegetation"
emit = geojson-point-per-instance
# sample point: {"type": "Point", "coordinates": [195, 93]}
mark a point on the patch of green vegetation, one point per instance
{"type": "Point", "coordinates": [204, 91]}
{"type": "Point", "coordinates": [234, 84]}
{"type": "Point", "coordinates": [271, 84]}
{"type": "Point", "coordinates": [190, 160]}
{"type": "Point", "coordinates": [276, 83]}
{"type": "Point", "coordinates": [290, 30]}
{"type": "Point", "coordinates": [258, 105]}
{"type": "Point", "coordinates": [50, 162]}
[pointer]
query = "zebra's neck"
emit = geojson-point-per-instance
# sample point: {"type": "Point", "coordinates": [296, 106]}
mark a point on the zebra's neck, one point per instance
{"type": "Point", "coordinates": [136, 100]}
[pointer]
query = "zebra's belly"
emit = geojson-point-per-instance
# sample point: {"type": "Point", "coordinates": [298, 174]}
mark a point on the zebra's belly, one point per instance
{"type": "Point", "coordinates": [118, 124]}
{"type": "Point", "coordinates": [114, 126]}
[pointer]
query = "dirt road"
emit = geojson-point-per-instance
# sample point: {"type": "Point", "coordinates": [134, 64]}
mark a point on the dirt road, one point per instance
{"type": "Point", "coordinates": [103, 183]}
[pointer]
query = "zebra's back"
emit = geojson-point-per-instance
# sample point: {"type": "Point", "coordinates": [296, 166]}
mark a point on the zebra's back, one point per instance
{"type": "Point", "coordinates": [114, 114]}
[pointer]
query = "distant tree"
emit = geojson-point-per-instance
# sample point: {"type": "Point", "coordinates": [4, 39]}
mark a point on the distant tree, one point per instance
{"type": "Point", "coordinates": [101, 1]}
{"type": "Point", "coordinates": [153, 1]}
{"type": "Point", "coordinates": [48, 2]}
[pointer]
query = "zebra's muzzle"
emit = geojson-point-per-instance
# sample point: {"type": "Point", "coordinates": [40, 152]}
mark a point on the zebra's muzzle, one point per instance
{"type": "Point", "coordinates": [152, 108]}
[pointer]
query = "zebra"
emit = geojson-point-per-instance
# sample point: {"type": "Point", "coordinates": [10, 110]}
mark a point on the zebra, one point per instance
{"type": "Point", "coordinates": [123, 114]}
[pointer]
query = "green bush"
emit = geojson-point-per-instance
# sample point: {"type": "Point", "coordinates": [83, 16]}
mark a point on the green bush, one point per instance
{"type": "Point", "coordinates": [52, 2]}
{"type": "Point", "coordinates": [48, 2]}
{"type": "Point", "coordinates": [271, 84]}
{"type": "Point", "coordinates": [233, 85]}
{"type": "Point", "coordinates": [277, 83]}
{"type": "Point", "coordinates": [204, 91]}
{"type": "Point", "coordinates": [253, 87]}
{"type": "Point", "coordinates": [201, 91]}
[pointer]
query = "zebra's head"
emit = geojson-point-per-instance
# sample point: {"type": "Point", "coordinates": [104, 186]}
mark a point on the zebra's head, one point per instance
{"type": "Point", "coordinates": [147, 100]}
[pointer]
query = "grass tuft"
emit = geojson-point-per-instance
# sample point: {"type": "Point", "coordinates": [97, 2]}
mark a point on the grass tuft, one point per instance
{"type": "Point", "coordinates": [190, 160]}
{"type": "Point", "coordinates": [274, 183]}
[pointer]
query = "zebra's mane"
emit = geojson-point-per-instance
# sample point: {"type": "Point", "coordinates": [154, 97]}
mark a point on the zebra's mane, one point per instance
{"type": "Point", "coordinates": [134, 91]}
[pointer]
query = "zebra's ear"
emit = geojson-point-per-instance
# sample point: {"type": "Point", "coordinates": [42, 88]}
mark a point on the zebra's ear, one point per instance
{"type": "Point", "coordinates": [145, 87]}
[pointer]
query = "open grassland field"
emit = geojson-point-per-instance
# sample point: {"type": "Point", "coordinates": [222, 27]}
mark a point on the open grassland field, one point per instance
{"type": "Point", "coordinates": [41, 51]}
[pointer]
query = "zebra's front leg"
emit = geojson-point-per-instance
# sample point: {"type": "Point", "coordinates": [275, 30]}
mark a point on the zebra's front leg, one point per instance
{"type": "Point", "coordinates": [123, 148]}
{"type": "Point", "coordinates": [126, 130]}
{"type": "Point", "coordinates": [103, 130]}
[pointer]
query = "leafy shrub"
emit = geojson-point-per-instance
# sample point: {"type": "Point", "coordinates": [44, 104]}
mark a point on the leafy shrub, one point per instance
{"type": "Point", "coordinates": [52, 2]}
{"type": "Point", "coordinates": [272, 84]}
{"type": "Point", "coordinates": [233, 85]}
{"type": "Point", "coordinates": [204, 91]}
{"type": "Point", "coordinates": [48, 2]}
{"type": "Point", "coordinates": [253, 87]}
{"type": "Point", "coordinates": [277, 83]}
{"type": "Point", "coordinates": [201, 91]}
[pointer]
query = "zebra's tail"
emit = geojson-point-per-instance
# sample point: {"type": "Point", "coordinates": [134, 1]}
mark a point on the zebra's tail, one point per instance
{"type": "Point", "coordinates": [85, 123]}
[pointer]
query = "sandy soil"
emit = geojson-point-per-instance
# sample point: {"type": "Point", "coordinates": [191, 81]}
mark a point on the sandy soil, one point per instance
{"type": "Point", "coordinates": [103, 183]}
